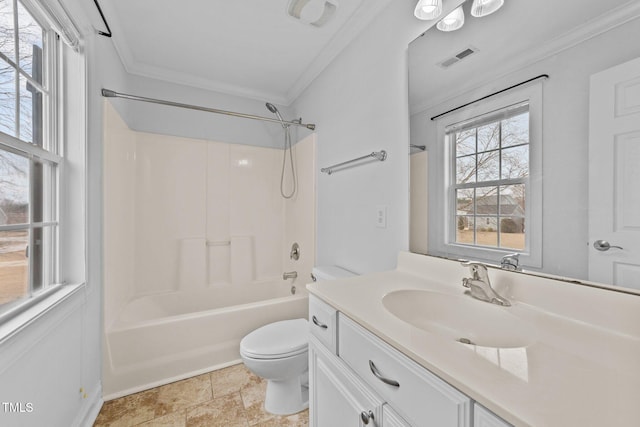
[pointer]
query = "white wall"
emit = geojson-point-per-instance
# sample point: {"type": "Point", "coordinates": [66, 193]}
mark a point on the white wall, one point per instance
{"type": "Point", "coordinates": [360, 104]}
{"type": "Point", "coordinates": [154, 118]}
{"type": "Point", "coordinates": [565, 141]}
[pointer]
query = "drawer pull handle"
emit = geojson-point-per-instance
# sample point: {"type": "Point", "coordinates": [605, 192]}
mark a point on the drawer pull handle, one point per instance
{"type": "Point", "coordinates": [375, 372]}
{"type": "Point", "coordinates": [317, 323]}
{"type": "Point", "coordinates": [366, 417]}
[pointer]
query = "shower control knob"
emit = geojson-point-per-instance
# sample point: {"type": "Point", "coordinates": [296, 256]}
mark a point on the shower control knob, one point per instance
{"type": "Point", "coordinates": [295, 252]}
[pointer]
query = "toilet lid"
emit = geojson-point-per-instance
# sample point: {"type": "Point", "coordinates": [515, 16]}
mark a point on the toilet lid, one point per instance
{"type": "Point", "coordinates": [276, 340]}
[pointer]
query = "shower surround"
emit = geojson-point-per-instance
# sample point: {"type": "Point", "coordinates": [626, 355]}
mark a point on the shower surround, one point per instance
{"type": "Point", "coordinates": [190, 221]}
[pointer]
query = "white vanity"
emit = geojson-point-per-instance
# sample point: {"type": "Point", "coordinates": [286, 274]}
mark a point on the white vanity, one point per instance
{"type": "Point", "coordinates": [561, 355]}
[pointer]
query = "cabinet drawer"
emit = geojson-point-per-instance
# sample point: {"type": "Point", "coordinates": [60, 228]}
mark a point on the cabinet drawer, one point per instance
{"type": "Point", "coordinates": [322, 322]}
{"type": "Point", "coordinates": [420, 397]}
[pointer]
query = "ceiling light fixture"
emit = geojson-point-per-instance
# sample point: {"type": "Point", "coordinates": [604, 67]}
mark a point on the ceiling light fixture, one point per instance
{"type": "Point", "coordinates": [481, 8]}
{"type": "Point", "coordinates": [312, 12]}
{"type": "Point", "coordinates": [428, 9]}
{"type": "Point", "coordinates": [452, 21]}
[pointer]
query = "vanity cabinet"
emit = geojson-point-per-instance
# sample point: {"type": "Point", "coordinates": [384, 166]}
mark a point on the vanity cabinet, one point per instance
{"type": "Point", "coordinates": [356, 379]}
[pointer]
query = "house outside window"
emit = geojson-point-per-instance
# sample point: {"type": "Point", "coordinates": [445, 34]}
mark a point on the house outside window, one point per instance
{"type": "Point", "coordinates": [490, 181]}
{"type": "Point", "coordinates": [30, 158]}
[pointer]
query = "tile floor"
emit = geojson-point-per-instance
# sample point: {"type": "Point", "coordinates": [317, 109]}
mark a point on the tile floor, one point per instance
{"type": "Point", "coordinates": [228, 397]}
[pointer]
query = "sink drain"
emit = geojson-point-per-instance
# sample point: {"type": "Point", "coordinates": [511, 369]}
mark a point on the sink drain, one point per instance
{"type": "Point", "coordinates": [465, 341]}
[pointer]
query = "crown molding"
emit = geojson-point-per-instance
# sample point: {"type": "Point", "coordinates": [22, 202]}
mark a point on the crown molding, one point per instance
{"type": "Point", "coordinates": [573, 37]}
{"type": "Point", "coordinates": [363, 15]}
{"type": "Point", "coordinates": [181, 78]}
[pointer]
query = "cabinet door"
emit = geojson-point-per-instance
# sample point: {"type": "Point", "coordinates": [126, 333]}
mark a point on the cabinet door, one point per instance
{"type": "Point", "coordinates": [482, 417]}
{"type": "Point", "coordinates": [390, 418]}
{"type": "Point", "coordinates": [336, 396]}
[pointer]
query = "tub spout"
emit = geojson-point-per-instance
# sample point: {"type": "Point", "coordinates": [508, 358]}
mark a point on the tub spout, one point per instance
{"type": "Point", "coordinates": [289, 275]}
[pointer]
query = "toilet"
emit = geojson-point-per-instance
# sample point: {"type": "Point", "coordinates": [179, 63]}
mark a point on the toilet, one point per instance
{"type": "Point", "coordinates": [278, 352]}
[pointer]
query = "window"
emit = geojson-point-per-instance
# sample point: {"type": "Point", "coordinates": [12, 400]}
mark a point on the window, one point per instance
{"type": "Point", "coordinates": [489, 184]}
{"type": "Point", "coordinates": [30, 160]}
{"type": "Point", "coordinates": [490, 164]}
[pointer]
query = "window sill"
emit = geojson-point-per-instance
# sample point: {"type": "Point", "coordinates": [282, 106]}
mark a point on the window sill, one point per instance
{"type": "Point", "coordinates": [489, 254]}
{"type": "Point", "coordinates": [14, 321]}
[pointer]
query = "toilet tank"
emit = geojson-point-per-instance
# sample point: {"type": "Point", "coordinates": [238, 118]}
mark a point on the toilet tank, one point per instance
{"type": "Point", "coordinates": [330, 272]}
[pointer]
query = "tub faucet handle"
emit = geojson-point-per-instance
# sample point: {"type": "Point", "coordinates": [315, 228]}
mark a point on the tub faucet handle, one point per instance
{"type": "Point", "coordinates": [295, 252]}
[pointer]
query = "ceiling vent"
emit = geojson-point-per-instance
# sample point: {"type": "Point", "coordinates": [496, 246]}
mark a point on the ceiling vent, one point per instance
{"type": "Point", "coordinates": [312, 12]}
{"type": "Point", "coordinates": [465, 53]}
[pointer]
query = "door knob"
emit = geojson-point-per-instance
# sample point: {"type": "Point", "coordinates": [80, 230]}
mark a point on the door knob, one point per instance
{"type": "Point", "coordinates": [603, 245]}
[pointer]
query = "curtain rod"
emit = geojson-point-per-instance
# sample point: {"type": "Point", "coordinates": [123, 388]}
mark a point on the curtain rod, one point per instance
{"type": "Point", "coordinates": [107, 93]}
{"type": "Point", "coordinates": [541, 76]}
{"type": "Point", "coordinates": [102, 33]}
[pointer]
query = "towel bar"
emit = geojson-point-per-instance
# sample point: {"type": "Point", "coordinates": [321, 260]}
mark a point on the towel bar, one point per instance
{"type": "Point", "coordinates": [378, 155]}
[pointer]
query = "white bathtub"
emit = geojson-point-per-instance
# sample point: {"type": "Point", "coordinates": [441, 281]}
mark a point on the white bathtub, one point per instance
{"type": "Point", "coordinates": [161, 338]}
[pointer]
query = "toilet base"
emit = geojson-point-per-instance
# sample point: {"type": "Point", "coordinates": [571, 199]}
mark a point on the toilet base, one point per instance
{"type": "Point", "coordinates": [287, 397]}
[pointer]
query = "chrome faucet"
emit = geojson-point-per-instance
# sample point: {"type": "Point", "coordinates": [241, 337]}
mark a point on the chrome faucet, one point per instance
{"type": "Point", "coordinates": [289, 275]}
{"type": "Point", "coordinates": [511, 262]}
{"type": "Point", "coordinates": [480, 286]}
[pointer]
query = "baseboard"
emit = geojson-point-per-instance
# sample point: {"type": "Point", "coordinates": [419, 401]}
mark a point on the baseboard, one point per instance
{"type": "Point", "coordinates": [90, 408]}
{"type": "Point", "coordinates": [169, 380]}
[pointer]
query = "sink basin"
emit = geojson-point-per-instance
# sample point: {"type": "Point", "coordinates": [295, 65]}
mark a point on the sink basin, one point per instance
{"type": "Point", "coordinates": [460, 318]}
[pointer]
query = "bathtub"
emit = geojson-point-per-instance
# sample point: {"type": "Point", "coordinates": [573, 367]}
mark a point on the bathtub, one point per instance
{"type": "Point", "coordinates": [158, 339]}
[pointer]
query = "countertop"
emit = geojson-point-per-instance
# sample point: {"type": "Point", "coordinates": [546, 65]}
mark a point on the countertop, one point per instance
{"type": "Point", "coordinates": [581, 368]}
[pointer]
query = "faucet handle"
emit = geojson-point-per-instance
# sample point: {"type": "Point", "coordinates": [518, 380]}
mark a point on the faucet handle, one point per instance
{"type": "Point", "coordinates": [472, 264]}
{"type": "Point", "coordinates": [478, 270]}
{"type": "Point", "coordinates": [511, 262]}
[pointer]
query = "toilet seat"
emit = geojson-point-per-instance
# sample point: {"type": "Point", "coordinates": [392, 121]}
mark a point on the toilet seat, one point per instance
{"type": "Point", "coordinates": [277, 340]}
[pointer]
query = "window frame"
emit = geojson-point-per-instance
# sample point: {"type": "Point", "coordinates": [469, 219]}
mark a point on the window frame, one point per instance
{"type": "Point", "coordinates": [50, 152]}
{"type": "Point", "coordinates": [445, 244]}
{"type": "Point", "coordinates": [494, 117]}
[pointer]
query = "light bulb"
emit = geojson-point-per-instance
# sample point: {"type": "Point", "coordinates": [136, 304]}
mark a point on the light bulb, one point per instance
{"type": "Point", "coordinates": [452, 21]}
{"type": "Point", "coordinates": [481, 8]}
{"type": "Point", "coordinates": [428, 9]}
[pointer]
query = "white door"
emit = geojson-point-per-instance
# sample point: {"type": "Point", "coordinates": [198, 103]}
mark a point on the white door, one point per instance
{"type": "Point", "coordinates": [614, 176]}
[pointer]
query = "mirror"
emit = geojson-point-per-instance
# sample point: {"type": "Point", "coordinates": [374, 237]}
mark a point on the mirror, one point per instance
{"type": "Point", "coordinates": [569, 41]}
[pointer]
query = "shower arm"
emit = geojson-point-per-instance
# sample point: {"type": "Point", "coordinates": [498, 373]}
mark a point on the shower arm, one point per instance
{"type": "Point", "coordinates": [107, 93]}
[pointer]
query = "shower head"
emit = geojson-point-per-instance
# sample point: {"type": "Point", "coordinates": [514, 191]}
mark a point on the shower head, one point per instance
{"type": "Point", "coordinates": [275, 111]}
{"type": "Point", "coordinates": [271, 107]}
